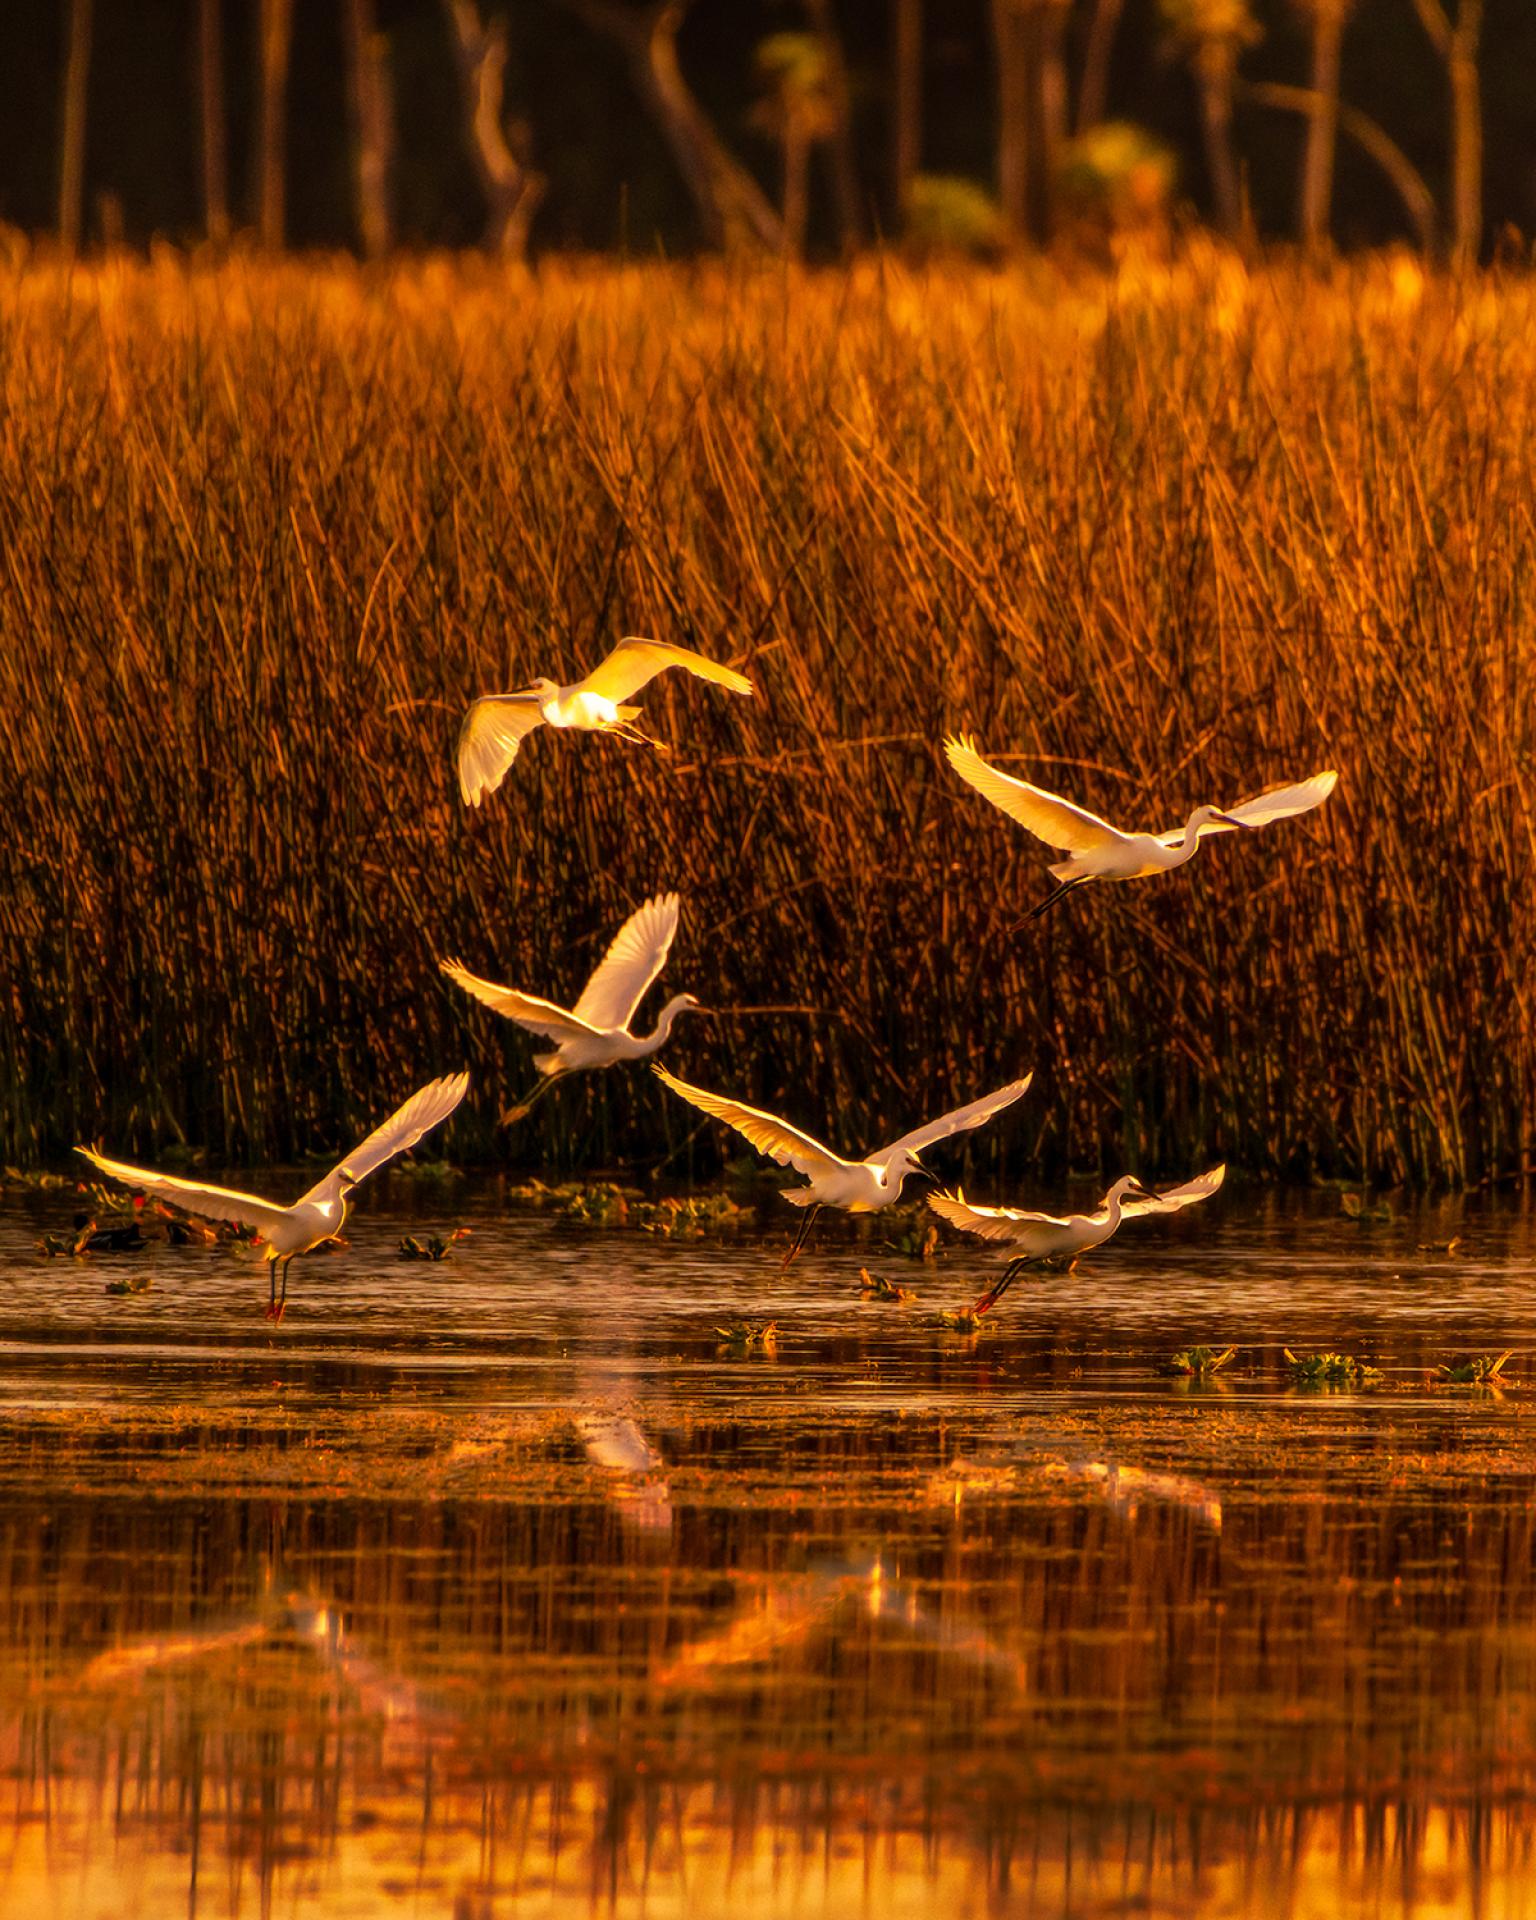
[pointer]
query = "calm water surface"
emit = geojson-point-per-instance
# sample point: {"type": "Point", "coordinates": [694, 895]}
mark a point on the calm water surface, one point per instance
{"type": "Point", "coordinates": [507, 1586]}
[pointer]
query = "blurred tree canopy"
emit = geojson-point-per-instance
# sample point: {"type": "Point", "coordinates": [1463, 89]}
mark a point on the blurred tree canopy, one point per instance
{"type": "Point", "coordinates": [611, 176]}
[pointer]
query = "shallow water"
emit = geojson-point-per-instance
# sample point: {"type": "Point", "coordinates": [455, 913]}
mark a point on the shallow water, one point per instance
{"type": "Point", "coordinates": [503, 1585]}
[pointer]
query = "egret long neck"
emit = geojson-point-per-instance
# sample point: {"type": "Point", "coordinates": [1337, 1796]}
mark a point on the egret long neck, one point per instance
{"type": "Point", "coordinates": [664, 1022]}
{"type": "Point", "coordinates": [1184, 849]}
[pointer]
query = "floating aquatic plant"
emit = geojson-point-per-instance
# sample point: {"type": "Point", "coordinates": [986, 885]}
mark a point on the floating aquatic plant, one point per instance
{"type": "Point", "coordinates": [746, 1336]}
{"type": "Point", "coordinates": [1199, 1362]}
{"type": "Point", "coordinates": [437, 1246]}
{"type": "Point", "coordinates": [1330, 1370]}
{"type": "Point", "coordinates": [1478, 1370]}
{"type": "Point", "coordinates": [875, 1286]}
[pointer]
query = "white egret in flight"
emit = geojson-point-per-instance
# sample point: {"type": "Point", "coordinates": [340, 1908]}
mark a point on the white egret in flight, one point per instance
{"type": "Point", "coordinates": [1043, 1236]}
{"type": "Point", "coordinates": [497, 723]}
{"type": "Point", "coordinates": [596, 1032]}
{"type": "Point", "coordinates": [1098, 851]}
{"type": "Point", "coordinates": [857, 1186]}
{"type": "Point", "coordinates": [320, 1214]}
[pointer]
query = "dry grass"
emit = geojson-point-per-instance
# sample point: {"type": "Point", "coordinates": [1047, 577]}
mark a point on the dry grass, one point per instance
{"type": "Point", "coordinates": [1166, 537]}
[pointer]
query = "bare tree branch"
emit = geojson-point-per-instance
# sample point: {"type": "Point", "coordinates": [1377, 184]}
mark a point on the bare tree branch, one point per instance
{"type": "Point", "coordinates": [1418, 201]}
{"type": "Point", "coordinates": [497, 146]}
{"type": "Point", "coordinates": [733, 209]}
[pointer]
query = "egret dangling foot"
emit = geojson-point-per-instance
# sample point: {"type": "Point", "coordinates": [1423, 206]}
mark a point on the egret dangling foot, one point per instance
{"type": "Point", "coordinates": [514, 1116]}
{"type": "Point", "coordinates": [994, 1293]}
{"type": "Point", "coordinates": [805, 1227]}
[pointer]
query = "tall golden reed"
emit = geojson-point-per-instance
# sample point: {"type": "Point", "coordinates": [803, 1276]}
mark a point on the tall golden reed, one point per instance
{"type": "Point", "coordinates": [1165, 536]}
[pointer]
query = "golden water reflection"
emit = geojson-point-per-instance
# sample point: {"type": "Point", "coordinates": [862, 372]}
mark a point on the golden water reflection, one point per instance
{"type": "Point", "coordinates": [858, 1667]}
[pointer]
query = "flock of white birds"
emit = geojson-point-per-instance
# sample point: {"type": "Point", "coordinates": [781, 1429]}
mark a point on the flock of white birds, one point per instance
{"type": "Point", "coordinates": [598, 1030]}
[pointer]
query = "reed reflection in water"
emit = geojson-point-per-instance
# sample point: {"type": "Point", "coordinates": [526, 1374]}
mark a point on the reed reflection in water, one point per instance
{"type": "Point", "coordinates": [860, 1667]}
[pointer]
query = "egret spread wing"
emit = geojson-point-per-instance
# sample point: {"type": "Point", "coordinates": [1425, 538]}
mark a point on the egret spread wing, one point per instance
{"type": "Point", "coordinates": [426, 1108]}
{"type": "Point", "coordinates": [960, 1121]}
{"type": "Point", "coordinates": [780, 1141]}
{"type": "Point", "coordinates": [493, 730]}
{"type": "Point", "coordinates": [1171, 1199]}
{"type": "Point", "coordinates": [527, 1009]}
{"type": "Point", "coordinates": [1280, 803]}
{"type": "Point", "coordinates": [192, 1196]}
{"type": "Point", "coordinates": [634, 661]}
{"type": "Point", "coordinates": [1047, 816]}
{"type": "Point", "coordinates": [638, 954]}
{"type": "Point", "coordinates": [991, 1223]}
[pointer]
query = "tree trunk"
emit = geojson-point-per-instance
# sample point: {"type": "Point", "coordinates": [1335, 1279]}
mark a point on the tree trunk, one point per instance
{"type": "Point", "coordinates": [733, 211]}
{"type": "Point", "coordinates": [275, 26]}
{"type": "Point", "coordinates": [1458, 47]}
{"type": "Point", "coordinates": [1466, 133]}
{"type": "Point", "coordinates": [840, 147]}
{"type": "Point", "coordinates": [499, 148]}
{"type": "Point", "coordinates": [1215, 76]}
{"type": "Point", "coordinates": [797, 156]}
{"type": "Point", "coordinates": [1050, 119]}
{"type": "Point", "coordinates": [77, 73]}
{"type": "Point", "coordinates": [1316, 197]}
{"type": "Point", "coordinates": [210, 100]}
{"type": "Point", "coordinates": [1010, 39]}
{"type": "Point", "coordinates": [1093, 89]}
{"type": "Point", "coordinates": [906, 98]}
{"type": "Point", "coordinates": [369, 104]}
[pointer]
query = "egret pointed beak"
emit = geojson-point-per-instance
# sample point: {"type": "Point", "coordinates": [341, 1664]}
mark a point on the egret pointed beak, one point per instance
{"type": "Point", "coordinates": [1227, 820]}
{"type": "Point", "coordinates": [1140, 1192]}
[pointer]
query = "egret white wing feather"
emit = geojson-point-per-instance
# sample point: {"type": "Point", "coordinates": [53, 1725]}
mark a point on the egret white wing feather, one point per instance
{"type": "Point", "coordinates": [193, 1196]}
{"type": "Point", "coordinates": [493, 730]}
{"type": "Point", "coordinates": [991, 1223]}
{"type": "Point", "coordinates": [636, 661]}
{"type": "Point", "coordinates": [1279, 803]}
{"type": "Point", "coordinates": [1046, 815]}
{"type": "Point", "coordinates": [527, 1009]}
{"type": "Point", "coordinates": [765, 1131]}
{"type": "Point", "coordinates": [625, 973]}
{"type": "Point", "coordinates": [1172, 1199]}
{"type": "Point", "coordinates": [960, 1121]}
{"type": "Point", "coordinates": [426, 1108]}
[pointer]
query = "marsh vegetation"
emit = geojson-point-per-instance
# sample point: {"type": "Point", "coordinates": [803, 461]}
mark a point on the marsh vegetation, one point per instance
{"type": "Point", "coordinates": [1162, 535]}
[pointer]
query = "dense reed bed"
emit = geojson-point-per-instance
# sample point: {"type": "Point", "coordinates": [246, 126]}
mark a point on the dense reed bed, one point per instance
{"type": "Point", "coordinates": [1165, 537]}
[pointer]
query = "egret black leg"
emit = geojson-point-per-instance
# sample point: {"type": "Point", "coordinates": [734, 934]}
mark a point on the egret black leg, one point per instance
{"type": "Point", "coordinates": [995, 1293]}
{"type": "Point", "coordinates": [626, 731]}
{"type": "Point", "coordinates": [282, 1298]}
{"type": "Point", "coordinates": [524, 1107]}
{"type": "Point", "coordinates": [1064, 887]}
{"type": "Point", "coordinates": [271, 1289]}
{"type": "Point", "coordinates": [805, 1227]}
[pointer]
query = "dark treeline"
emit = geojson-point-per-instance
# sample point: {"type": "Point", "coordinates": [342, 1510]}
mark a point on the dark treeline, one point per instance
{"type": "Point", "coordinates": [820, 124]}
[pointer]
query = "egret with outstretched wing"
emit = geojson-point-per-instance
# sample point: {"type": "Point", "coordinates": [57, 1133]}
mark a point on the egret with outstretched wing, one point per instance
{"type": "Point", "coordinates": [1045, 1236]}
{"type": "Point", "coordinates": [320, 1214]}
{"type": "Point", "coordinates": [1097, 851]}
{"type": "Point", "coordinates": [596, 1032]}
{"type": "Point", "coordinates": [856, 1186]}
{"type": "Point", "coordinates": [498, 723]}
